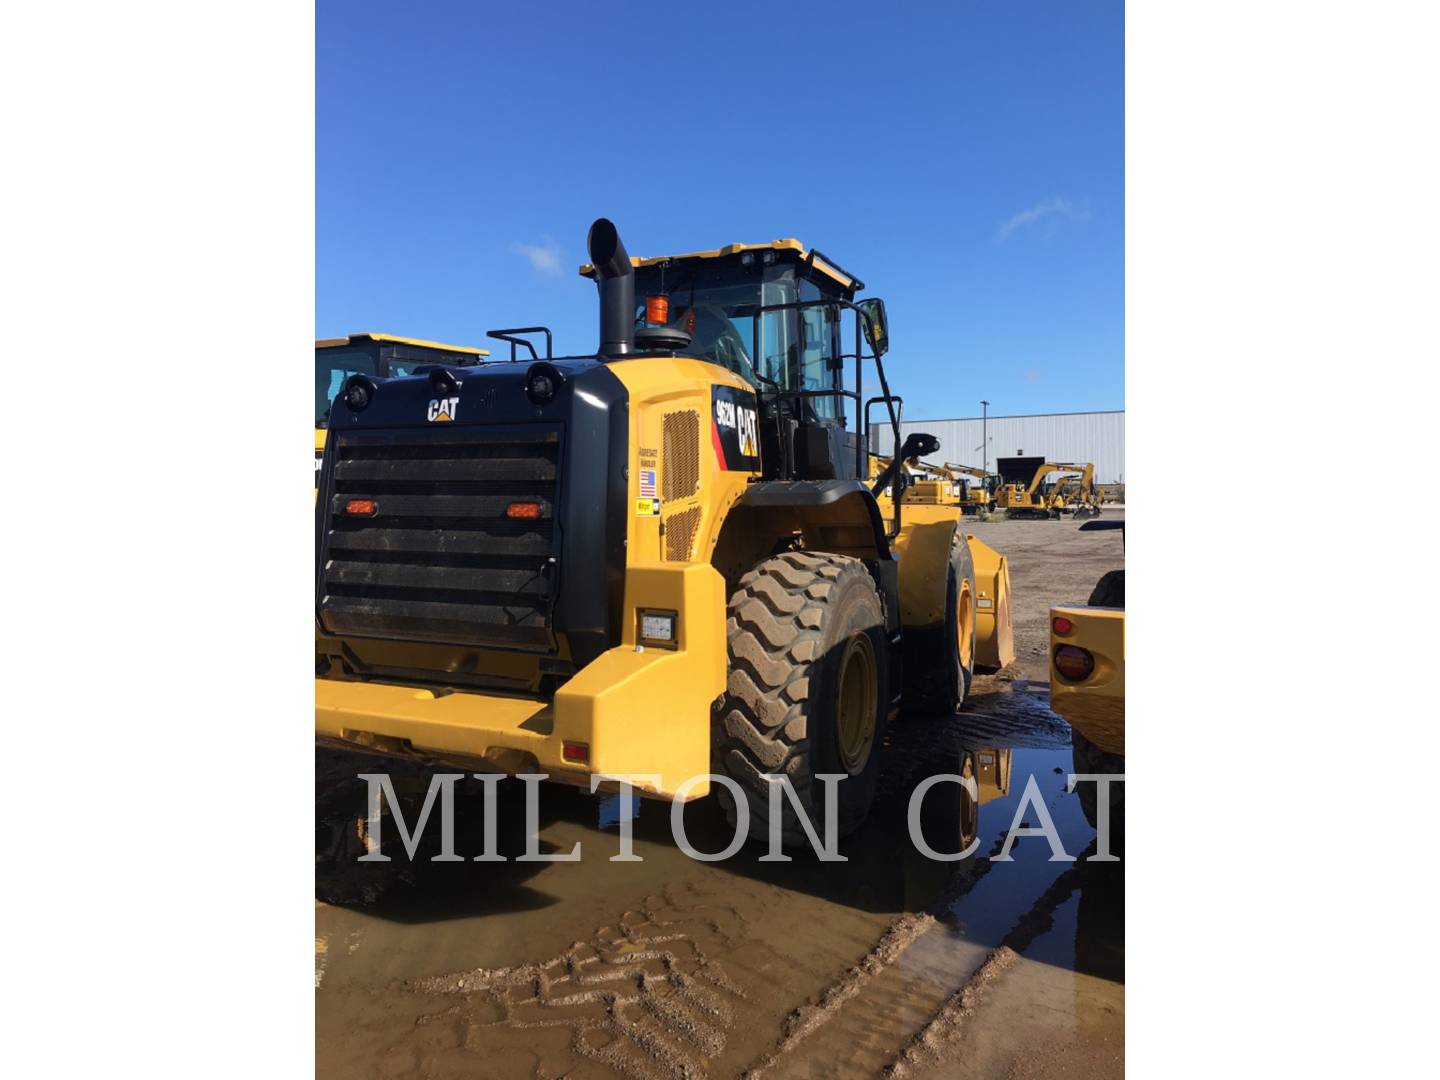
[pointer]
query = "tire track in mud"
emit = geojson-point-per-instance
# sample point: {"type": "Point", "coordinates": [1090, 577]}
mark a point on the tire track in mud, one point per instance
{"type": "Point", "coordinates": [805, 1020]}
{"type": "Point", "coordinates": [641, 998]}
{"type": "Point", "coordinates": [896, 991]}
{"type": "Point", "coordinates": [928, 1046]}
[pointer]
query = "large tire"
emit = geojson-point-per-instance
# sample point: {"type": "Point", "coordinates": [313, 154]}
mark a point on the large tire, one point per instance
{"type": "Point", "coordinates": [1089, 758]}
{"type": "Point", "coordinates": [1109, 590]}
{"type": "Point", "coordinates": [940, 665]}
{"type": "Point", "coordinates": [798, 624]}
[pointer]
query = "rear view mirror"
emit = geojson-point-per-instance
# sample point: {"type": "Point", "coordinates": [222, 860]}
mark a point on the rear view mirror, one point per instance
{"type": "Point", "coordinates": [877, 330]}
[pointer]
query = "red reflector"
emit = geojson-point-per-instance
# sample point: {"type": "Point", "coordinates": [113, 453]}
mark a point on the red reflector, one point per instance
{"type": "Point", "coordinates": [657, 310]}
{"type": "Point", "coordinates": [1062, 625]}
{"type": "Point", "coordinates": [577, 752]}
{"type": "Point", "coordinates": [527, 510]}
{"type": "Point", "coordinates": [1074, 663]}
{"type": "Point", "coordinates": [363, 507]}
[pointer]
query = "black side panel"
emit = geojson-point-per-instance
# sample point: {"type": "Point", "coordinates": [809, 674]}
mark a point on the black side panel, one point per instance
{"type": "Point", "coordinates": [592, 497]}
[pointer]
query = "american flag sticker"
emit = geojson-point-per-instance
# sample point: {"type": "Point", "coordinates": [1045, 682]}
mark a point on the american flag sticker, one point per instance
{"type": "Point", "coordinates": [647, 483]}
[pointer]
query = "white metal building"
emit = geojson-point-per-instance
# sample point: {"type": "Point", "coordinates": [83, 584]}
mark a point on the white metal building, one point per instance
{"type": "Point", "coordinates": [1098, 437]}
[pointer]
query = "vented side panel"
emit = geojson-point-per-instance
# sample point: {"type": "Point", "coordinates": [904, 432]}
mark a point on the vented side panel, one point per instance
{"type": "Point", "coordinates": [680, 534]}
{"type": "Point", "coordinates": [681, 447]}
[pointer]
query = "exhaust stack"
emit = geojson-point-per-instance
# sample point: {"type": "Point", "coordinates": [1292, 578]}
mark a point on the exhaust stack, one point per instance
{"type": "Point", "coordinates": [615, 278]}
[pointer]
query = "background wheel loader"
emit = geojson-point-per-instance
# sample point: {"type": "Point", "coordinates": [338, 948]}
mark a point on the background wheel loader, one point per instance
{"type": "Point", "coordinates": [949, 485]}
{"type": "Point", "coordinates": [385, 355]}
{"type": "Point", "coordinates": [658, 561]}
{"type": "Point", "coordinates": [1087, 685]}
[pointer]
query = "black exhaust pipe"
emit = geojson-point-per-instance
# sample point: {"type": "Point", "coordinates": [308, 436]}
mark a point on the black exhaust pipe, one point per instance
{"type": "Point", "coordinates": [615, 278]}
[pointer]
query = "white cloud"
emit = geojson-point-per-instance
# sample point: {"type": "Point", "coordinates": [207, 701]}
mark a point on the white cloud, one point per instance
{"type": "Point", "coordinates": [1048, 208]}
{"type": "Point", "coordinates": [544, 257]}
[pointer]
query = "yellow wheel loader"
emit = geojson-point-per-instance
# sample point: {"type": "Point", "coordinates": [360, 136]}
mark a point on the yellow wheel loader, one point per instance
{"type": "Point", "coordinates": [1087, 684]}
{"type": "Point", "coordinates": [657, 562]}
{"type": "Point", "coordinates": [973, 497]}
{"type": "Point", "coordinates": [384, 355]}
{"type": "Point", "coordinates": [949, 485]}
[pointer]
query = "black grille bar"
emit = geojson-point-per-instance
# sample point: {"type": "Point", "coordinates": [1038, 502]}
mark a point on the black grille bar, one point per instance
{"type": "Point", "coordinates": [439, 560]}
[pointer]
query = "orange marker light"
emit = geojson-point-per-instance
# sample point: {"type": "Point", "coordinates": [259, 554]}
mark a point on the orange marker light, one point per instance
{"type": "Point", "coordinates": [657, 310]}
{"type": "Point", "coordinates": [1074, 663]}
{"type": "Point", "coordinates": [527, 511]}
{"type": "Point", "coordinates": [361, 507]}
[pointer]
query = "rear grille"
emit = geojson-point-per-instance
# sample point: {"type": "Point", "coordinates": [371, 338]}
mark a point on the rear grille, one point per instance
{"type": "Point", "coordinates": [440, 561]}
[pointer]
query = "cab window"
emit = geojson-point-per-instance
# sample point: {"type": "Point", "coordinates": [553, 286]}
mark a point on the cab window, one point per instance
{"type": "Point", "coordinates": [332, 367]}
{"type": "Point", "coordinates": [819, 365]}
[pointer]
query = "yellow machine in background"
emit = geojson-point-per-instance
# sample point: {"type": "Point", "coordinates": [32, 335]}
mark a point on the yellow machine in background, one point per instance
{"type": "Point", "coordinates": [930, 484]}
{"type": "Point", "coordinates": [1087, 683]}
{"type": "Point", "coordinates": [1023, 491]}
{"type": "Point", "coordinates": [669, 558]}
{"type": "Point", "coordinates": [974, 497]}
{"type": "Point", "coordinates": [382, 355]}
{"type": "Point", "coordinates": [1076, 493]}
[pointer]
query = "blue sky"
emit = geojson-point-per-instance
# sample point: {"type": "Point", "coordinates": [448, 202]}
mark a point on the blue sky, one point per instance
{"type": "Point", "coordinates": [965, 159]}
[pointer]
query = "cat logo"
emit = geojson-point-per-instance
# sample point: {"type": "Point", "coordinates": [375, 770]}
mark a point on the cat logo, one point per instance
{"type": "Point", "coordinates": [442, 409]}
{"type": "Point", "coordinates": [736, 430]}
{"type": "Point", "coordinates": [745, 421]}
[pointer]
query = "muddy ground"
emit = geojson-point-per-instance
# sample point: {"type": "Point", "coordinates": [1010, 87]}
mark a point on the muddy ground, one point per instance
{"type": "Point", "coordinates": [888, 964]}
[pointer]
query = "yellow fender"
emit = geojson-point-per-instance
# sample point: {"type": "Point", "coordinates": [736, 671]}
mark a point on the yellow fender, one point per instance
{"type": "Point", "coordinates": [994, 631]}
{"type": "Point", "coordinates": [924, 550]}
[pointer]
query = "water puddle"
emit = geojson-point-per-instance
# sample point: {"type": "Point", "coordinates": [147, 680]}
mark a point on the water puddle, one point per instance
{"type": "Point", "coordinates": [669, 967]}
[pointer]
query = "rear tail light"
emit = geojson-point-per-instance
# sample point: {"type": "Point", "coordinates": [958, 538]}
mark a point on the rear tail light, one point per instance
{"type": "Point", "coordinates": [1074, 663]}
{"type": "Point", "coordinates": [575, 752]}
{"type": "Point", "coordinates": [1061, 625]}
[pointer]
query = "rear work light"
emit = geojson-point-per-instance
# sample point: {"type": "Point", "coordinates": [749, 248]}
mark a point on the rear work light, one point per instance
{"type": "Point", "coordinates": [576, 752]}
{"type": "Point", "coordinates": [1061, 625]}
{"type": "Point", "coordinates": [525, 511]}
{"type": "Point", "coordinates": [1074, 663]}
{"type": "Point", "coordinates": [361, 507]}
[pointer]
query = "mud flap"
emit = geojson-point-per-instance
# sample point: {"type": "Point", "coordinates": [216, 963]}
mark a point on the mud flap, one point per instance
{"type": "Point", "coordinates": [994, 632]}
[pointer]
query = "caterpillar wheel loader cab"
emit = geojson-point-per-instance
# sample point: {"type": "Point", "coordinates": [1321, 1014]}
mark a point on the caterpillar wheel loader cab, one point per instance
{"type": "Point", "coordinates": [385, 355]}
{"type": "Point", "coordinates": [658, 561]}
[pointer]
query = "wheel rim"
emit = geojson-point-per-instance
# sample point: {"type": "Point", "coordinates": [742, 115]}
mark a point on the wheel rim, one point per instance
{"type": "Point", "coordinates": [855, 703]}
{"type": "Point", "coordinates": [964, 618]}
